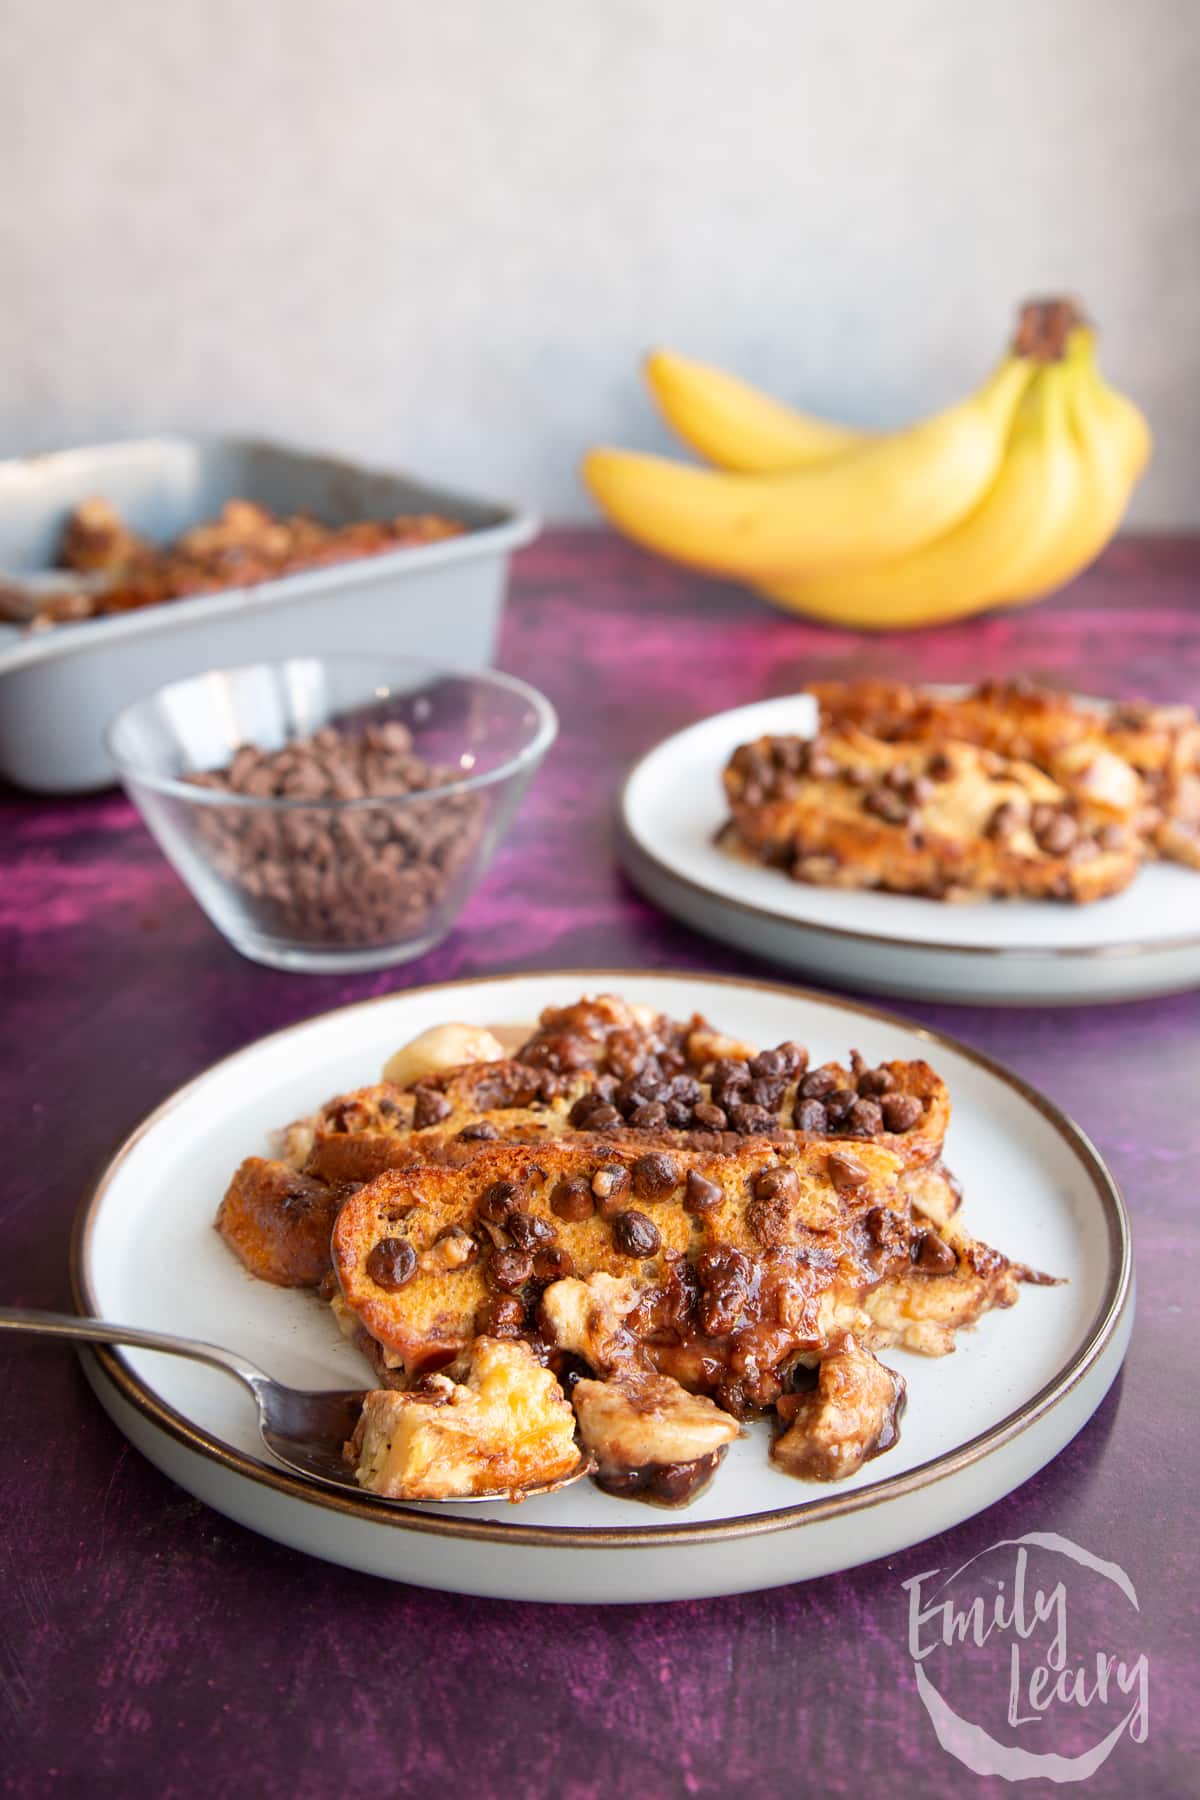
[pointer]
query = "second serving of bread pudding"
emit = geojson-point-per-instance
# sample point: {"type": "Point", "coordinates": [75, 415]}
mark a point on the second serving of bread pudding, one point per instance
{"type": "Point", "coordinates": [618, 1242]}
{"type": "Point", "coordinates": [1008, 792]}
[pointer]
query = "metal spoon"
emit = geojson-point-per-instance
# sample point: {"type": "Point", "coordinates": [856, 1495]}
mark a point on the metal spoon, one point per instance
{"type": "Point", "coordinates": [304, 1431]}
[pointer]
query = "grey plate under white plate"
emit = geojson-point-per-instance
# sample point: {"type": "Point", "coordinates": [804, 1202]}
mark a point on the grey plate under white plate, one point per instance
{"type": "Point", "coordinates": [1143, 942]}
{"type": "Point", "coordinates": [977, 1424]}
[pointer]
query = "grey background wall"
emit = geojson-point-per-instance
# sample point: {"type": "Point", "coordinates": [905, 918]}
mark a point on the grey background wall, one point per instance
{"type": "Point", "coordinates": [439, 234]}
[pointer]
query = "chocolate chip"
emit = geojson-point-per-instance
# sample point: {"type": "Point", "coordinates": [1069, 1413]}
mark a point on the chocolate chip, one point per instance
{"type": "Point", "coordinates": [778, 1183]}
{"type": "Point", "coordinates": [818, 1083]}
{"type": "Point", "coordinates": [838, 1104]}
{"type": "Point", "coordinates": [641, 1090]}
{"type": "Point", "coordinates": [811, 1116]}
{"type": "Point", "coordinates": [591, 1112]}
{"type": "Point", "coordinates": [654, 1176]}
{"type": "Point", "coordinates": [873, 1082]}
{"type": "Point", "coordinates": [650, 1116]}
{"type": "Point", "coordinates": [700, 1195]}
{"type": "Point", "coordinates": [527, 1230]}
{"type": "Point", "coordinates": [751, 1119]}
{"type": "Point", "coordinates": [392, 1263]}
{"type": "Point", "coordinates": [768, 1062]}
{"type": "Point", "coordinates": [481, 1131]}
{"type": "Point", "coordinates": [429, 1108]}
{"type": "Point", "coordinates": [940, 767]}
{"type": "Point", "coordinates": [795, 1057]}
{"type": "Point", "coordinates": [346, 1117]}
{"type": "Point", "coordinates": [497, 1201]}
{"type": "Point", "coordinates": [509, 1269]}
{"type": "Point", "coordinates": [932, 1255]}
{"type": "Point", "coordinates": [502, 1316]}
{"type": "Point", "coordinates": [687, 1089]}
{"type": "Point", "coordinates": [635, 1235]}
{"type": "Point", "coordinates": [324, 874]}
{"type": "Point", "coordinates": [846, 1172]}
{"type": "Point", "coordinates": [788, 753]}
{"type": "Point", "coordinates": [864, 1118]}
{"type": "Point", "coordinates": [710, 1117]}
{"type": "Point", "coordinates": [572, 1200]}
{"type": "Point", "coordinates": [679, 1115]}
{"type": "Point", "coordinates": [552, 1264]}
{"type": "Point", "coordinates": [610, 1186]}
{"type": "Point", "coordinates": [900, 1111]}
{"type": "Point", "coordinates": [1057, 834]}
{"type": "Point", "coordinates": [886, 804]}
{"type": "Point", "coordinates": [767, 1091]}
{"type": "Point", "coordinates": [1005, 819]}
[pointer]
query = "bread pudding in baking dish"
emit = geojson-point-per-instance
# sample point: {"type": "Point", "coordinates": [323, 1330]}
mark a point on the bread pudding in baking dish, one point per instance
{"type": "Point", "coordinates": [619, 1240]}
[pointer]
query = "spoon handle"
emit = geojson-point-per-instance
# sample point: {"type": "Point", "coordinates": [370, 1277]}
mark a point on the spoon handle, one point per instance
{"type": "Point", "coordinates": [102, 1331]}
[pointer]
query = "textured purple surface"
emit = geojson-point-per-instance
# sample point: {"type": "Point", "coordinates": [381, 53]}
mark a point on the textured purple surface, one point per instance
{"type": "Point", "coordinates": [148, 1644]}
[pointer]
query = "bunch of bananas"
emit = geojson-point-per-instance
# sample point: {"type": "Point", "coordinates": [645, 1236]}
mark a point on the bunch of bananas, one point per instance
{"type": "Point", "coordinates": [995, 501]}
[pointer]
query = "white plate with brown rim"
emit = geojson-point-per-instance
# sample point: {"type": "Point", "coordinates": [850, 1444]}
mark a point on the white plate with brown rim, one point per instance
{"type": "Point", "coordinates": [977, 1423]}
{"type": "Point", "coordinates": [1143, 942]}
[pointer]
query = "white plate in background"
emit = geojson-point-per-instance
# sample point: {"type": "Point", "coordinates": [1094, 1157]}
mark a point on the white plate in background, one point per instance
{"type": "Point", "coordinates": [977, 1423]}
{"type": "Point", "coordinates": [1143, 942]}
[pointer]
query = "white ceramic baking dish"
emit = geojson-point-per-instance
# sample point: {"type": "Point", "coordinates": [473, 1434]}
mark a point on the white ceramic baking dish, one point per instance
{"type": "Point", "coordinates": [59, 688]}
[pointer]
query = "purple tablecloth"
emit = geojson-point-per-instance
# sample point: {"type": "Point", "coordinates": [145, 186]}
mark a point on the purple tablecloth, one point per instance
{"type": "Point", "coordinates": [148, 1644]}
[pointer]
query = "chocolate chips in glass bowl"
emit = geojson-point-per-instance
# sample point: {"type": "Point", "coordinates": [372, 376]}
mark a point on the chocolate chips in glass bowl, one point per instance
{"type": "Point", "coordinates": [326, 867]}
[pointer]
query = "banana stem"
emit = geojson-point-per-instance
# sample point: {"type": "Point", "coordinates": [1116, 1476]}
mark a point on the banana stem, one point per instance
{"type": "Point", "coordinates": [1045, 327]}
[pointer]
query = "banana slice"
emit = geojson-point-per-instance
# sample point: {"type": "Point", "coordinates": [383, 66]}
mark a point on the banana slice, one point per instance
{"type": "Point", "coordinates": [441, 1047]}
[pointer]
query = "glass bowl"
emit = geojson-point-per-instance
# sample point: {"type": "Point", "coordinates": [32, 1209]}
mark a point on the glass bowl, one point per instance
{"type": "Point", "coordinates": [317, 881]}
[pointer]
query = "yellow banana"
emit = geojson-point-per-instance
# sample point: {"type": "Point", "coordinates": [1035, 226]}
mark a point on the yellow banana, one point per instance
{"type": "Point", "coordinates": [735, 426]}
{"type": "Point", "coordinates": [989, 554]}
{"type": "Point", "coordinates": [877, 501]}
{"type": "Point", "coordinates": [1119, 416]}
{"type": "Point", "coordinates": [1113, 443]}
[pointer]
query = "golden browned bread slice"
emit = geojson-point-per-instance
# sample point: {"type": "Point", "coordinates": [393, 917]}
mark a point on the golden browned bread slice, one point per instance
{"type": "Point", "coordinates": [718, 1270]}
{"type": "Point", "coordinates": [1016, 718]}
{"type": "Point", "coordinates": [725, 1093]}
{"type": "Point", "coordinates": [948, 821]}
{"type": "Point", "coordinates": [1133, 761]}
{"type": "Point", "coordinates": [278, 1221]}
{"type": "Point", "coordinates": [505, 1428]}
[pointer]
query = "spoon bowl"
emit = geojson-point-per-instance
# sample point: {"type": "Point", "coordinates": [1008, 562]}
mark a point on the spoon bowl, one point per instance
{"type": "Point", "coordinates": [305, 1431]}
